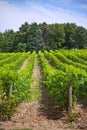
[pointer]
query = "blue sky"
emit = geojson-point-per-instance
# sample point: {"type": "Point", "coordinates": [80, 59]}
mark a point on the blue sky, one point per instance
{"type": "Point", "coordinates": [13, 13]}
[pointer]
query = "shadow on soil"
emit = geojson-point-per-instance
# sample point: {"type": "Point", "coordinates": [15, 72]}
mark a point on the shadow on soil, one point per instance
{"type": "Point", "coordinates": [47, 107]}
{"type": "Point", "coordinates": [83, 101]}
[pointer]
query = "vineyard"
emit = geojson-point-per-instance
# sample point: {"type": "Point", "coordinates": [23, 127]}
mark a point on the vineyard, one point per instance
{"type": "Point", "coordinates": [61, 70]}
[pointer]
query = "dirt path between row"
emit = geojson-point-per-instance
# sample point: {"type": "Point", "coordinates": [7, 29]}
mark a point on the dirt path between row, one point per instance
{"type": "Point", "coordinates": [35, 86]}
{"type": "Point", "coordinates": [24, 64]}
{"type": "Point", "coordinates": [40, 113]}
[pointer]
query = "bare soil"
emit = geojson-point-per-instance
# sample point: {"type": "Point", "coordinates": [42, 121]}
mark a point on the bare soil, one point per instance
{"type": "Point", "coordinates": [42, 114]}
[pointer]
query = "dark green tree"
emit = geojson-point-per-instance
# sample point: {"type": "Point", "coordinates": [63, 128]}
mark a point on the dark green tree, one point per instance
{"type": "Point", "coordinates": [69, 35]}
{"type": "Point", "coordinates": [1, 43]}
{"type": "Point", "coordinates": [56, 36]}
{"type": "Point", "coordinates": [7, 40]}
{"type": "Point", "coordinates": [22, 35]}
{"type": "Point", "coordinates": [80, 37]}
{"type": "Point", "coordinates": [21, 47]}
{"type": "Point", "coordinates": [35, 40]}
{"type": "Point", "coordinates": [45, 34]}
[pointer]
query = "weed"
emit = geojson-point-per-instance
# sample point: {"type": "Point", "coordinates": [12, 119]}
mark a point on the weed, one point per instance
{"type": "Point", "coordinates": [72, 116]}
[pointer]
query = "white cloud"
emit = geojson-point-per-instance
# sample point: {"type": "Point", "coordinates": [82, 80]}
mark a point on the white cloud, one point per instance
{"type": "Point", "coordinates": [12, 16]}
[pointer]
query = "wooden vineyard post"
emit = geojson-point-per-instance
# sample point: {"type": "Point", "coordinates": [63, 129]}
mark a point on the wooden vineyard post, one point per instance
{"type": "Point", "coordinates": [10, 88]}
{"type": "Point", "coordinates": [70, 99]}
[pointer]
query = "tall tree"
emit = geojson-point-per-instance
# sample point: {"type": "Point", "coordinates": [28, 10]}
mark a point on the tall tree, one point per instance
{"type": "Point", "coordinates": [21, 47]}
{"type": "Point", "coordinates": [22, 35]}
{"type": "Point", "coordinates": [45, 34]}
{"type": "Point", "coordinates": [35, 41]}
{"type": "Point", "coordinates": [81, 37]}
{"type": "Point", "coordinates": [56, 36]}
{"type": "Point", "coordinates": [69, 35]}
{"type": "Point", "coordinates": [7, 41]}
{"type": "Point", "coordinates": [1, 43]}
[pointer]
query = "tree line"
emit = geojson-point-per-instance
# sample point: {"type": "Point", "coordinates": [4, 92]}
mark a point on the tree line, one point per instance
{"type": "Point", "coordinates": [42, 36]}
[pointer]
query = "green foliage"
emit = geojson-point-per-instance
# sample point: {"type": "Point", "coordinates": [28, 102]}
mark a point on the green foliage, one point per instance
{"type": "Point", "coordinates": [7, 108]}
{"type": "Point", "coordinates": [81, 37]}
{"type": "Point", "coordinates": [69, 35]}
{"type": "Point", "coordinates": [21, 47]}
{"type": "Point", "coordinates": [56, 36]}
{"type": "Point", "coordinates": [20, 90]}
{"type": "Point", "coordinates": [6, 77]}
{"type": "Point", "coordinates": [35, 41]}
{"type": "Point", "coordinates": [7, 40]}
{"type": "Point", "coordinates": [58, 81]}
{"type": "Point", "coordinates": [60, 70]}
{"type": "Point", "coordinates": [72, 117]}
{"type": "Point", "coordinates": [43, 36]}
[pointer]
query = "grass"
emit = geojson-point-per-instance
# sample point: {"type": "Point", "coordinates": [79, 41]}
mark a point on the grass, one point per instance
{"type": "Point", "coordinates": [35, 85]}
{"type": "Point", "coordinates": [35, 92]}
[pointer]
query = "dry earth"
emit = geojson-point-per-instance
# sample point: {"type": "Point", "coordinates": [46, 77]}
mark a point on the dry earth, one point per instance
{"type": "Point", "coordinates": [41, 113]}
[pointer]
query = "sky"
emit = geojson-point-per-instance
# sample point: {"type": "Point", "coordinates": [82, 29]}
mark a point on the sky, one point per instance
{"type": "Point", "coordinates": [14, 13]}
